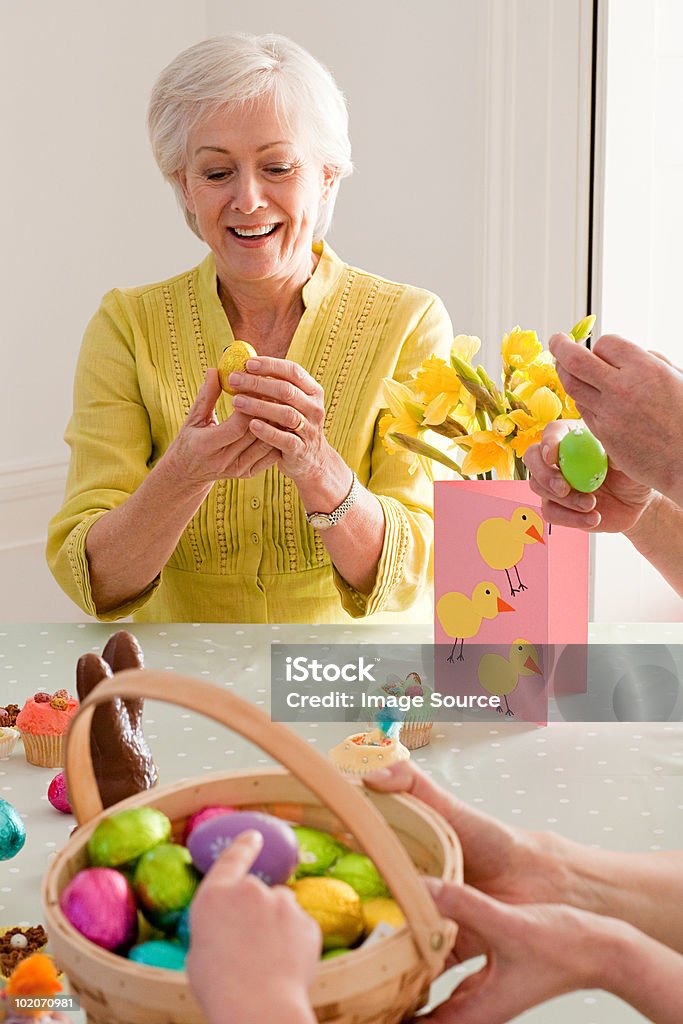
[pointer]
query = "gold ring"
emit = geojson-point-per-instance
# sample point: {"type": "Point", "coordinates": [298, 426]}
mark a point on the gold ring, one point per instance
{"type": "Point", "coordinates": [302, 420]}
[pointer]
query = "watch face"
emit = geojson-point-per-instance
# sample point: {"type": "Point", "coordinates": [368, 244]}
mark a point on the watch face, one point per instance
{"type": "Point", "coordinates": [320, 521]}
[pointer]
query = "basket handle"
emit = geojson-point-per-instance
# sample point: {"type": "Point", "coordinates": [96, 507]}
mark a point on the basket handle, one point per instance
{"type": "Point", "coordinates": [433, 934]}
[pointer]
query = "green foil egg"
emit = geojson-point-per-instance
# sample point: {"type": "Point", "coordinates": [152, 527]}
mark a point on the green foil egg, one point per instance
{"type": "Point", "coordinates": [583, 462]}
{"type": "Point", "coordinates": [360, 873]}
{"type": "Point", "coordinates": [165, 882]}
{"type": "Point", "coordinates": [159, 953]}
{"type": "Point", "coordinates": [125, 836]}
{"type": "Point", "coordinates": [317, 851]}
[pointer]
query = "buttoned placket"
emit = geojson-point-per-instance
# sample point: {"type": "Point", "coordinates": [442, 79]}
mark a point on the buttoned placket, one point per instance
{"type": "Point", "coordinates": [254, 522]}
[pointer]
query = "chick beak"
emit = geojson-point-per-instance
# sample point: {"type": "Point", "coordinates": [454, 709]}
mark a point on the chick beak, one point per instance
{"type": "Point", "coordinates": [503, 606]}
{"type": "Point", "coordinates": [533, 532]}
{"type": "Point", "coordinates": [531, 664]}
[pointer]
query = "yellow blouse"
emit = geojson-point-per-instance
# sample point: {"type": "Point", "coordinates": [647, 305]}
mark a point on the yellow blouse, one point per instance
{"type": "Point", "coordinates": [248, 554]}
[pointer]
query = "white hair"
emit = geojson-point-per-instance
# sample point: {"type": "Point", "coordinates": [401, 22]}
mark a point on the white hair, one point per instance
{"type": "Point", "coordinates": [234, 71]}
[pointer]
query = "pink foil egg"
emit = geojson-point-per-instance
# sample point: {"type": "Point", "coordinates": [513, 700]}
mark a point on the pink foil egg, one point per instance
{"type": "Point", "coordinates": [204, 815]}
{"type": "Point", "coordinates": [277, 859]}
{"type": "Point", "coordinates": [56, 794]}
{"type": "Point", "coordinates": [100, 904]}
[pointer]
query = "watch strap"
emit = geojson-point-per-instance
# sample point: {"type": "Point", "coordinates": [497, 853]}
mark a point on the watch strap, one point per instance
{"type": "Point", "coordinates": [324, 520]}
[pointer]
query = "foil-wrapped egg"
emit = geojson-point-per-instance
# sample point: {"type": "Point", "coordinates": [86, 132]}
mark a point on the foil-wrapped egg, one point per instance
{"type": "Point", "coordinates": [317, 851]}
{"type": "Point", "coordinates": [57, 796]}
{"type": "Point", "coordinates": [12, 831]}
{"type": "Point", "coordinates": [100, 904]}
{"type": "Point", "coordinates": [160, 953]}
{"type": "Point", "coordinates": [361, 874]}
{"type": "Point", "coordinates": [205, 814]}
{"type": "Point", "coordinates": [335, 906]}
{"type": "Point", "coordinates": [123, 837]}
{"type": "Point", "coordinates": [165, 882]}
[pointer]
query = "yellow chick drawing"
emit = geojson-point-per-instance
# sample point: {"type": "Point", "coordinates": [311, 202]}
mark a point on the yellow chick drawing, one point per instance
{"type": "Point", "coordinates": [501, 541]}
{"type": "Point", "coordinates": [500, 675]}
{"type": "Point", "coordinates": [461, 616]}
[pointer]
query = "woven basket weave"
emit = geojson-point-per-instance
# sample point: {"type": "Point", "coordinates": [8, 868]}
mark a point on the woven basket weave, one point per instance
{"type": "Point", "coordinates": [383, 984]}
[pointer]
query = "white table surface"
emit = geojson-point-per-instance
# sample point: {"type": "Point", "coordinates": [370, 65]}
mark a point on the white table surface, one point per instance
{"type": "Point", "coordinates": [612, 785]}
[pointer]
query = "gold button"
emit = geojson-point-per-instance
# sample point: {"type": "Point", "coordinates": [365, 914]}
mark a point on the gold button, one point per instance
{"type": "Point", "coordinates": [255, 538]}
{"type": "Point", "coordinates": [255, 503]}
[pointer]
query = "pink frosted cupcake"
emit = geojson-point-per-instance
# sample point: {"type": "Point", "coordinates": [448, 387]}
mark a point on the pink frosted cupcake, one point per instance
{"type": "Point", "coordinates": [43, 722]}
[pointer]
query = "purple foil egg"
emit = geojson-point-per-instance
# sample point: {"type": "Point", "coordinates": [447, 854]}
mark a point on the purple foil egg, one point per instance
{"type": "Point", "coordinates": [277, 859]}
{"type": "Point", "coordinates": [204, 815]}
{"type": "Point", "coordinates": [56, 794]}
{"type": "Point", "coordinates": [100, 904]}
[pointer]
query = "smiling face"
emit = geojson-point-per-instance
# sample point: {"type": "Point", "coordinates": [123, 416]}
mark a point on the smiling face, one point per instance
{"type": "Point", "coordinates": [255, 189]}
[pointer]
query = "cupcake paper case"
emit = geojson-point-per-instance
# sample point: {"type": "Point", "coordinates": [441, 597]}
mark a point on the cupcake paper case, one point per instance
{"type": "Point", "coordinates": [8, 741]}
{"type": "Point", "coordinates": [43, 722]}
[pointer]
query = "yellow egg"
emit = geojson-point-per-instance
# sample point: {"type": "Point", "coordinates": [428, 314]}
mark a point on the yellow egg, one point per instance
{"type": "Point", "coordinates": [335, 906]}
{"type": "Point", "coordinates": [234, 360]}
{"type": "Point", "coordinates": [378, 910]}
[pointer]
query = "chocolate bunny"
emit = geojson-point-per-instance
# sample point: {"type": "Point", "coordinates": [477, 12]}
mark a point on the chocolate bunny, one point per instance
{"type": "Point", "coordinates": [122, 760]}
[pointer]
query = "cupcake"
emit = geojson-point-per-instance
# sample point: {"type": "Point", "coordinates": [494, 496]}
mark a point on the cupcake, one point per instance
{"type": "Point", "coordinates": [8, 740]}
{"type": "Point", "coordinates": [365, 751]}
{"type": "Point", "coordinates": [416, 727]}
{"type": "Point", "coordinates": [43, 722]}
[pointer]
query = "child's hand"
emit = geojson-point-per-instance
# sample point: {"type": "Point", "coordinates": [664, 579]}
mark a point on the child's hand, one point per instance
{"type": "Point", "coordinates": [253, 950]}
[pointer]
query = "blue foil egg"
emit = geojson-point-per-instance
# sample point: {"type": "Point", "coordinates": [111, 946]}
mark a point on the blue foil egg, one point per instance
{"type": "Point", "coordinates": [12, 831]}
{"type": "Point", "coordinates": [183, 927]}
{"type": "Point", "coordinates": [159, 953]}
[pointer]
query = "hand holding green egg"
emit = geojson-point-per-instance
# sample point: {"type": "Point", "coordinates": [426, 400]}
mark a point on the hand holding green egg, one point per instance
{"type": "Point", "coordinates": [582, 460]}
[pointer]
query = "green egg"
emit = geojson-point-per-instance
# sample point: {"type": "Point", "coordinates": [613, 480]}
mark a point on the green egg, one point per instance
{"type": "Point", "coordinates": [583, 462]}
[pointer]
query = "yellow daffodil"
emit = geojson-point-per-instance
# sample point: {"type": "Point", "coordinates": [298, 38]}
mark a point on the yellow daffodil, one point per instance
{"type": "Point", "coordinates": [488, 451]}
{"type": "Point", "coordinates": [465, 346]}
{"type": "Point", "coordinates": [405, 416]}
{"type": "Point", "coordinates": [544, 406]}
{"type": "Point", "coordinates": [582, 330]}
{"type": "Point", "coordinates": [520, 348]}
{"type": "Point", "coordinates": [494, 424]}
{"type": "Point", "coordinates": [503, 425]}
{"type": "Point", "coordinates": [441, 389]}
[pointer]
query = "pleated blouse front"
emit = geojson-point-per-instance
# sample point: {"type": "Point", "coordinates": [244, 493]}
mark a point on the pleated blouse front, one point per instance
{"type": "Point", "coordinates": [248, 554]}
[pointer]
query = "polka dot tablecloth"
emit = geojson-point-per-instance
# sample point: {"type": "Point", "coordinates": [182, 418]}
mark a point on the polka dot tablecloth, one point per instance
{"type": "Point", "coordinates": [616, 786]}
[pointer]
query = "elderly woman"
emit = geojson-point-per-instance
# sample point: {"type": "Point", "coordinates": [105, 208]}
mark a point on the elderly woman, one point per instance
{"type": "Point", "coordinates": [286, 508]}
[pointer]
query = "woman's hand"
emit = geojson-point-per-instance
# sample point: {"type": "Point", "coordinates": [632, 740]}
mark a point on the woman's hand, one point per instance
{"type": "Point", "coordinates": [206, 450]}
{"type": "Point", "coordinates": [286, 409]}
{"type": "Point", "coordinates": [253, 950]}
{"type": "Point", "coordinates": [534, 953]}
{"type": "Point", "coordinates": [616, 506]}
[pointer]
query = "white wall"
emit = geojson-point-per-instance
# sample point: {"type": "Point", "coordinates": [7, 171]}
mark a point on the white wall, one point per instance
{"type": "Point", "coordinates": [639, 267]}
{"type": "Point", "coordinates": [469, 124]}
{"type": "Point", "coordinates": [84, 209]}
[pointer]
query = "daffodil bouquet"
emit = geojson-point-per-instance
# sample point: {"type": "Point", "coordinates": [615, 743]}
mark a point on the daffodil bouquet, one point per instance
{"type": "Point", "coordinates": [493, 425]}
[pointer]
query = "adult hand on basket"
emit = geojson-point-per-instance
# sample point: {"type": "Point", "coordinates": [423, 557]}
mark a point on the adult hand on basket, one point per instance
{"type": "Point", "coordinates": [538, 951]}
{"type": "Point", "coordinates": [253, 950]}
{"type": "Point", "coordinates": [510, 864]}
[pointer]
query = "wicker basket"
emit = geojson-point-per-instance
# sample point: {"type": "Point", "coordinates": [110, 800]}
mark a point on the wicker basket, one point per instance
{"type": "Point", "coordinates": [387, 982]}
